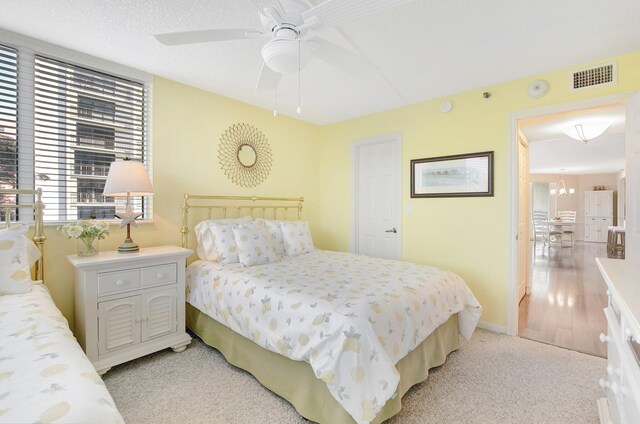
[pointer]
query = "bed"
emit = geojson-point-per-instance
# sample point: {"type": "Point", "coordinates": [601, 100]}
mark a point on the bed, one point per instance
{"type": "Point", "coordinates": [340, 336]}
{"type": "Point", "coordinates": [44, 374]}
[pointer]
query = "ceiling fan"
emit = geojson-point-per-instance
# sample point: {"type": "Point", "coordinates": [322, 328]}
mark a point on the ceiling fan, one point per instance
{"type": "Point", "coordinates": [289, 25]}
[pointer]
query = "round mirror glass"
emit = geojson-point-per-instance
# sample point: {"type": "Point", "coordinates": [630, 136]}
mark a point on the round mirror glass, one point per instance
{"type": "Point", "coordinates": [247, 156]}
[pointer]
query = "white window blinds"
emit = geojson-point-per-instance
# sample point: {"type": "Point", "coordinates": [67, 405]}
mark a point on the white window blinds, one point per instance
{"type": "Point", "coordinates": [84, 120]}
{"type": "Point", "coordinates": [8, 124]}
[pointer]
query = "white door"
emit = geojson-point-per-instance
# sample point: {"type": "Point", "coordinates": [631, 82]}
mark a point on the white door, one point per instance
{"type": "Point", "coordinates": [590, 229]}
{"type": "Point", "coordinates": [523, 218]}
{"type": "Point", "coordinates": [605, 200]}
{"type": "Point", "coordinates": [118, 324]}
{"type": "Point", "coordinates": [632, 171]}
{"type": "Point", "coordinates": [590, 203]}
{"type": "Point", "coordinates": [158, 313]}
{"type": "Point", "coordinates": [604, 229]}
{"type": "Point", "coordinates": [378, 198]}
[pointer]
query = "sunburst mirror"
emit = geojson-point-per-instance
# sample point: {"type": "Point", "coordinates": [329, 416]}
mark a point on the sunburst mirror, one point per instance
{"type": "Point", "coordinates": [245, 155]}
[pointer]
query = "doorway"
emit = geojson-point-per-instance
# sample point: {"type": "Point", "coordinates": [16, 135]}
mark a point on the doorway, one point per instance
{"type": "Point", "coordinates": [555, 313]}
{"type": "Point", "coordinates": [376, 182]}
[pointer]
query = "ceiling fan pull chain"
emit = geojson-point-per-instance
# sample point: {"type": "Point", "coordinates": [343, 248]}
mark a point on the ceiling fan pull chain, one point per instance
{"type": "Point", "coordinates": [275, 101]}
{"type": "Point", "coordinates": [299, 75]}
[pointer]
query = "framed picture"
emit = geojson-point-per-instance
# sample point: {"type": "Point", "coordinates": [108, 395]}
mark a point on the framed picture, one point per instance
{"type": "Point", "coordinates": [467, 175]}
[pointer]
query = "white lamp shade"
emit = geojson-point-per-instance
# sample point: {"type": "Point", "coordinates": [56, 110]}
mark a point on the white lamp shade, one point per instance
{"type": "Point", "coordinates": [127, 176]}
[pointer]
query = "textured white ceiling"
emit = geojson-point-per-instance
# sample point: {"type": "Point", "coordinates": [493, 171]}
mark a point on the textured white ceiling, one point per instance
{"type": "Point", "coordinates": [553, 152]}
{"type": "Point", "coordinates": [424, 49]}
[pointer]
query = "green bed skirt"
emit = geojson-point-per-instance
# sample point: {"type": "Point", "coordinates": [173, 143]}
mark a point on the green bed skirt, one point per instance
{"type": "Point", "coordinates": [295, 380]}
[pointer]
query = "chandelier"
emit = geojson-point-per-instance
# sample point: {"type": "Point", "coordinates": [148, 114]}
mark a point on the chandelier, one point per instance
{"type": "Point", "coordinates": [561, 190]}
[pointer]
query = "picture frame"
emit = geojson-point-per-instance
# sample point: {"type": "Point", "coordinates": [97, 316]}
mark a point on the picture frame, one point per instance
{"type": "Point", "coordinates": [466, 175]}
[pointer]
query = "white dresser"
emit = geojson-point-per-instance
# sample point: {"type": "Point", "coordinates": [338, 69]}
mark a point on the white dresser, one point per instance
{"type": "Point", "coordinates": [130, 304]}
{"type": "Point", "coordinates": [622, 382]}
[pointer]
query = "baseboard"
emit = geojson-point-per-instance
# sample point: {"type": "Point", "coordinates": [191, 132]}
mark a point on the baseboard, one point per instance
{"type": "Point", "coordinates": [492, 327]}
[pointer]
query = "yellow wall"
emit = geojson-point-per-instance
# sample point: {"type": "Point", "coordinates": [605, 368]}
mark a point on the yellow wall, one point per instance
{"type": "Point", "coordinates": [187, 124]}
{"type": "Point", "coordinates": [466, 235]}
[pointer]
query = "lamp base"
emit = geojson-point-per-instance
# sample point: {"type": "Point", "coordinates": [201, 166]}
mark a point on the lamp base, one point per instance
{"type": "Point", "coordinates": [128, 246]}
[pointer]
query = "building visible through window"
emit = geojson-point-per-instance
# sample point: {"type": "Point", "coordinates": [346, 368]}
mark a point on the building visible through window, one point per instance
{"type": "Point", "coordinates": [89, 120]}
{"type": "Point", "coordinates": [72, 124]}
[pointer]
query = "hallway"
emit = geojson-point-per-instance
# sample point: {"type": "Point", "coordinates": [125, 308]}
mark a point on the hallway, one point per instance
{"type": "Point", "coordinates": [567, 297]}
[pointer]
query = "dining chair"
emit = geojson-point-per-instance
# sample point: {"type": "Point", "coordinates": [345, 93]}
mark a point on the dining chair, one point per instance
{"type": "Point", "coordinates": [570, 229]}
{"type": "Point", "coordinates": [540, 227]}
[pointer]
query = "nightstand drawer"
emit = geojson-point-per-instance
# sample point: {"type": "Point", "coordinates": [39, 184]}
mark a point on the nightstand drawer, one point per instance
{"type": "Point", "coordinates": [158, 275]}
{"type": "Point", "coordinates": [119, 281]}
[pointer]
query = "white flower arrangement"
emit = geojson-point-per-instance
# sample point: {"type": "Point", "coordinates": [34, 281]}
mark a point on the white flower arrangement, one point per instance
{"type": "Point", "coordinates": [86, 231]}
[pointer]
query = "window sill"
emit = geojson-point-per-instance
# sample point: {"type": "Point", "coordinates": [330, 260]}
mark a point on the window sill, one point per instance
{"type": "Point", "coordinates": [110, 222]}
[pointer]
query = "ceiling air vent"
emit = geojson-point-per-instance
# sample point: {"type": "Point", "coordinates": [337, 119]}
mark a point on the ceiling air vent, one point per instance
{"type": "Point", "coordinates": [592, 77]}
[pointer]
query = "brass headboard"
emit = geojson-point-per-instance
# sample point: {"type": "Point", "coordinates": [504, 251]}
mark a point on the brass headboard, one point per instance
{"type": "Point", "coordinates": [217, 207]}
{"type": "Point", "coordinates": [38, 208]}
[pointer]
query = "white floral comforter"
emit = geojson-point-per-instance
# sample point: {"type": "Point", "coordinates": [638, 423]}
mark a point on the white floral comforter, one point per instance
{"type": "Point", "coordinates": [351, 317]}
{"type": "Point", "coordinates": [45, 376]}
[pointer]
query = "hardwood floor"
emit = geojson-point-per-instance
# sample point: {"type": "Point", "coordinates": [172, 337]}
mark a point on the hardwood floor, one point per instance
{"type": "Point", "coordinates": [567, 297]}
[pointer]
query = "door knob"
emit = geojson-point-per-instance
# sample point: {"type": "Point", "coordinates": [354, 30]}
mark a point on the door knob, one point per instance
{"type": "Point", "coordinates": [393, 230]}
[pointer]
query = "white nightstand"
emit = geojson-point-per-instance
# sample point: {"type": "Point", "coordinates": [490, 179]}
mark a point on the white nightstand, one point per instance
{"type": "Point", "coordinates": [130, 304]}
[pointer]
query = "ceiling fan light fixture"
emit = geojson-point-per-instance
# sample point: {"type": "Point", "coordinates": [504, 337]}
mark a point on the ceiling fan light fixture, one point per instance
{"type": "Point", "coordinates": [281, 55]}
{"type": "Point", "coordinates": [587, 130]}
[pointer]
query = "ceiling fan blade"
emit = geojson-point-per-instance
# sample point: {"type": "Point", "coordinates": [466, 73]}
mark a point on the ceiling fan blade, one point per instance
{"type": "Point", "coordinates": [331, 13]}
{"type": "Point", "coordinates": [206, 36]}
{"type": "Point", "coordinates": [268, 80]}
{"type": "Point", "coordinates": [341, 58]}
{"type": "Point", "coordinates": [273, 4]}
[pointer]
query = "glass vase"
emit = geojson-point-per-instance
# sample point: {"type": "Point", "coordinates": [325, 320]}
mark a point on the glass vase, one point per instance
{"type": "Point", "coordinates": [87, 247]}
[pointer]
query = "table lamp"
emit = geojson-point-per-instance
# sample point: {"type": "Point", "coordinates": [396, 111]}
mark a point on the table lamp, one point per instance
{"type": "Point", "coordinates": [127, 178]}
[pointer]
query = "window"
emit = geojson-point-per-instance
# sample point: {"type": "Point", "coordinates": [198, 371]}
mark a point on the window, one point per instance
{"type": "Point", "coordinates": [63, 137]}
{"type": "Point", "coordinates": [8, 125]}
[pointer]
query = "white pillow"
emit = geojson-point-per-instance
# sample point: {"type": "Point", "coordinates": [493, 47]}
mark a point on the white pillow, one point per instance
{"type": "Point", "coordinates": [254, 245]}
{"type": "Point", "coordinates": [206, 247]}
{"type": "Point", "coordinates": [273, 228]}
{"type": "Point", "coordinates": [297, 237]}
{"type": "Point", "coordinates": [223, 239]}
{"type": "Point", "coordinates": [17, 255]}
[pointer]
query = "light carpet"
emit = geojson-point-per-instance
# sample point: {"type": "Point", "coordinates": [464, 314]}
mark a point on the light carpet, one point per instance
{"type": "Point", "coordinates": [491, 379]}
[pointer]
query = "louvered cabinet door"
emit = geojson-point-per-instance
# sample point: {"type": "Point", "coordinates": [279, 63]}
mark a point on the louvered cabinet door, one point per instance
{"type": "Point", "coordinates": [118, 324]}
{"type": "Point", "coordinates": [158, 313]}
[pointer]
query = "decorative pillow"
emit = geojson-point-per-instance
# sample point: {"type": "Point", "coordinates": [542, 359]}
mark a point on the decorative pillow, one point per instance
{"type": "Point", "coordinates": [255, 246]}
{"type": "Point", "coordinates": [223, 239]}
{"type": "Point", "coordinates": [206, 247]}
{"type": "Point", "coordinates": [17, 255]}
{"type": "Point", "coordinates": [297, 237]}
{"type": "Point", "coordinates": [273, 227]}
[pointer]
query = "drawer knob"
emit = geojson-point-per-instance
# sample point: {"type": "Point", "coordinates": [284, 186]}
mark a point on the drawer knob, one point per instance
{"type": "Point", "coordinates": [627, 332]}
{"type": "Point", "coordinates": [121, 283]}
{"type": "Point", "coordinates": [603, 338]}
{"type": "Point", "coordinates": [160, 276]}
{"type": "Point", "coordinates": [611, 370]}
{"type": "Point", "coordinates": [604, 383]}
{"type": "Point", "coordinates": [614, 388]}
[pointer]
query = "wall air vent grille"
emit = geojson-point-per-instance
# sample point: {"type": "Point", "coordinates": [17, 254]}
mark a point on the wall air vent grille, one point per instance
{"type": "Point", "coordinates": [593, 77]}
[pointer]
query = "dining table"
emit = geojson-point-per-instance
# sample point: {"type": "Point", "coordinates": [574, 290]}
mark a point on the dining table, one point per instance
{"type": "Point", "coordinates": [558, 226]}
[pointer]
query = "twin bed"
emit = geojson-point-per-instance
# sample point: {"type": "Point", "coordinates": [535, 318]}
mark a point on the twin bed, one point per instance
{"type": "Point", "coordinates": [44, 374]}
{"type": "Point", "coordinates": [340, 336]}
